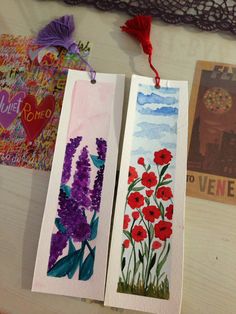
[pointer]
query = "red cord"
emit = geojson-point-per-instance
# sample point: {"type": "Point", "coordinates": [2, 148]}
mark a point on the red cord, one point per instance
{"type": "Point", "coordinates": [157, 77]}
{"type": "Point", "coordinates": [139, 27]}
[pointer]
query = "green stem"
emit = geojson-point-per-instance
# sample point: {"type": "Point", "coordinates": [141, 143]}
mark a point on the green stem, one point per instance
{"type": "Point", "coordinates": [134, 273]}
{"type": "Point", "coordinates": [89, 247]}
{"type": "Point", "coordinates": [148, 257]}
{"type": "Point", "coordinates": [141, 215]}
{"type": "Point", "coordinates": [82, 254]}
{"type": "Point", "coordinates": [122, 270]}
{"type": "Point", "coordinates": [133, 251]}
{"type": "Point", "coordinates": [128, 266]}
{"type": "Point", "coordinates": [158, 279]}
{"type": "Point", "coordinates": [159, 206]}
{"type": "Point", "coordinates": [149, 242]}
{"type": "Point", "coordinates": [94, 216]}
{"type": "Point", "coordinates": [130, 190]}
{"type": "Point", "coordinates": [160, 258]}
{"type": "Point", "coordinates": [143, 261]}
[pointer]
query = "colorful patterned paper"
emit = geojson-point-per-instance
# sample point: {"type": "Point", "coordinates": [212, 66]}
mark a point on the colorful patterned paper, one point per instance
{"type": "Point", "coordinates": [73, 245]}
{"type": "Point", "coordinates": [28, 71]}
{"type": "Point", "coordinates": [148, 223]}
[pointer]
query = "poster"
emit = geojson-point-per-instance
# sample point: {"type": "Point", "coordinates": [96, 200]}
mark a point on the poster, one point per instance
{"type": "Point", "coordinates": [32, 82]}
{"type": "Point", "coordinates": [212, 133]}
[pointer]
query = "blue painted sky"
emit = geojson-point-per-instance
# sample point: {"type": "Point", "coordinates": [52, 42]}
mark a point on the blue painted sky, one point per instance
{"type": "Point", "coordinates": [155, 122]}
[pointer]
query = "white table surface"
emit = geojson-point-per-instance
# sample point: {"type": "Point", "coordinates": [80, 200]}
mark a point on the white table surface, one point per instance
{"type": "Point", "coordinates": [210, 233]}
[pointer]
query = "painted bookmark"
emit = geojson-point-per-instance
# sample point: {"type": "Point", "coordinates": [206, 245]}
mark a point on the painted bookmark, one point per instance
{"type": "Point", "coordinates": [73, 245]}
{"type": "Point", "coordinates": [146, 257]}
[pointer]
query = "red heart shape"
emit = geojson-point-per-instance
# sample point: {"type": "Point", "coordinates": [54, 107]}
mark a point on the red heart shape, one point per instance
{"type": "Point", "coordinates": [35, 117]}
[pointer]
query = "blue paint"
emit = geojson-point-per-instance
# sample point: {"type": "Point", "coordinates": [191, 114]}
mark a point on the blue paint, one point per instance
{"type": "Point", "coordinates": [97, 161]}
{"type": "Point", "coordinates": [94, 229]}
{"type": "Point", "coordinates": [169, 145]}
{"type": "Point", "coordinates": [163, 111]}
{"type": "Point", "coordinates": [140, 151]}
{"type": "Point", "coordinates": [155, 99]}
{"type": "Point", "coordinates": [86, 270]}
{"type": "Point", "coordinates": [66, 265]}
{"type": "Point", "coordinates": [154, 131]}
{"type": "Point", "coordinates": [168, 90]}
{"type": "Point", "coordinates": [60, 226]}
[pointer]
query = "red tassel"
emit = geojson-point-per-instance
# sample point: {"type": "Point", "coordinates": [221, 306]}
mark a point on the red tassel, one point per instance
{"type": "Point", "coordinates": [139, 27]}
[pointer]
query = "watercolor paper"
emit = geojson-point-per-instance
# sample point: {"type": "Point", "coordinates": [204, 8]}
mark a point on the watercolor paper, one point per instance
{"type": "Point", "coordinates": [73, 245]}
{"type": "Point", "coordinates": [146, 257]}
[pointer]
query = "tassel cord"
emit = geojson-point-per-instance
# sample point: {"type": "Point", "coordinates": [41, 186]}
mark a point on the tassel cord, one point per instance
{"type": "Point", "coordinates": [92, 72]}
{"type": "Point", "coordinates": [139, 27]}
{"type": "Point", "coordinates": [157, 76]}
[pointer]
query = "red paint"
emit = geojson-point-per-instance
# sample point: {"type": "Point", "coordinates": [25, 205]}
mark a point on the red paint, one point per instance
{"type": "Point", "coordinates": [35, 117]}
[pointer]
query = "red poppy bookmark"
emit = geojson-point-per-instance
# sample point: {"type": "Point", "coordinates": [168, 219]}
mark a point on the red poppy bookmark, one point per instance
{"type": "Point", "coordinates": [148, 224]}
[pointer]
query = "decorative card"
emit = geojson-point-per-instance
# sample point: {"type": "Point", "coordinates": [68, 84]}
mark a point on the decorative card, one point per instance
{"type": "Point", "coordinates": [32, 81]}
{"type": "Point", "coordinates": [73, 245]}
{"type": "Point", "coordinates": [212, 133]}
{"type": "Point", "coordinates": [146, 257]}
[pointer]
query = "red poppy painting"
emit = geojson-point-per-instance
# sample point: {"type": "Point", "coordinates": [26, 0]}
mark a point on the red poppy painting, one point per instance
{"type": "Point", "coordinates": [139, 233]}
{"type": "Point", "coordinates": [163, 230]}
{"type": "Point", "coordinates": [151, 213]}
{"type": "Point", "coordinates": [169, 211]}
{"type": "Point", "coordinates": [147, 228]}
{"type": "Point", "coordinates": [149, 179]}
{"type": "Point", "coordinates": [132, 174]}
{"type": "Point", "coordinates": [164, 193]}
{"type": "Point", "coordinates": [162, 157]}
{"type": "Point", "coordinates": [126, 221]}
{"type": "Point", "coordinates": [136, 200]}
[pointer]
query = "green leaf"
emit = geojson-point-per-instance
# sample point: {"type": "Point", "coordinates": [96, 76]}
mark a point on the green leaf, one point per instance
{"type": "Point", "coordinates": [148, 168]}
{"type": "Point", "coordinates": [130, 188]}
{"type": "Point", "coordinates": [165, 182]}
{"type": "Point", "coordinates": [162, 262]}
{"type": "Point", "coordinates": [75, 265]}
{"type": "Point", "coordinates": [147, 200]}
{"type": "Point", "coordinates": [137, 266]}
{"type": "Point", "coordinates": [65, 265]}
{"type": "Point", "coordinates": [163, 170]}
{"type": "Point", "coordinates": [140, 256]}
{"type": "Point", "coordinates": [94, 229]}
{"type": "Point", "coordinates": [128, 235]}
{"type": "Point", "coordinates": [140, 188]}
{"type": "Point", "coordinates": [123, 264]}
{"type": "Point", "coordinates": [162, 210]}
{"type": "Point", "coordinates": [65, 188]}
{"type": "Point", "coordinates": [145, 249]}
{"type": "Point", "coordinates": [60, 226]}
{"type": "Point", "coordinates": [152, 263]}
{"type": "Point", "coordinates": [151, 230]}
{"type": "Point", "coordinates": [86, 270]}
{"type": "Point", "coordinates": [72, 248]}
{"type": "Point", "coordinates": [161, 206]}
{"type": "Point", "coordinates": [97, 161]}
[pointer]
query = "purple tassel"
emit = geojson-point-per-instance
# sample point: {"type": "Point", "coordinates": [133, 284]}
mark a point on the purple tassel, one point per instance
{"type": "Point", "coordinates": [59, 33]}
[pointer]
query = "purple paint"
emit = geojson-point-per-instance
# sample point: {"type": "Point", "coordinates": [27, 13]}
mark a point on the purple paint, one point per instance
{"type": "Point", "coordinates": [9, 107]}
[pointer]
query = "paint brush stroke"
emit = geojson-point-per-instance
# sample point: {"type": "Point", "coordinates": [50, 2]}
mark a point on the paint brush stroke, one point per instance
{"type": "Point", "coordinates": [154, 131]}
{"type": "Point", "coordinates": [155, 99]}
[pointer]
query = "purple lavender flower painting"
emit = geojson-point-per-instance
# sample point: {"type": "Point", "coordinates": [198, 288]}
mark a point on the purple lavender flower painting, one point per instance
{"type": "Point", "coordinates": [72, 251]}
